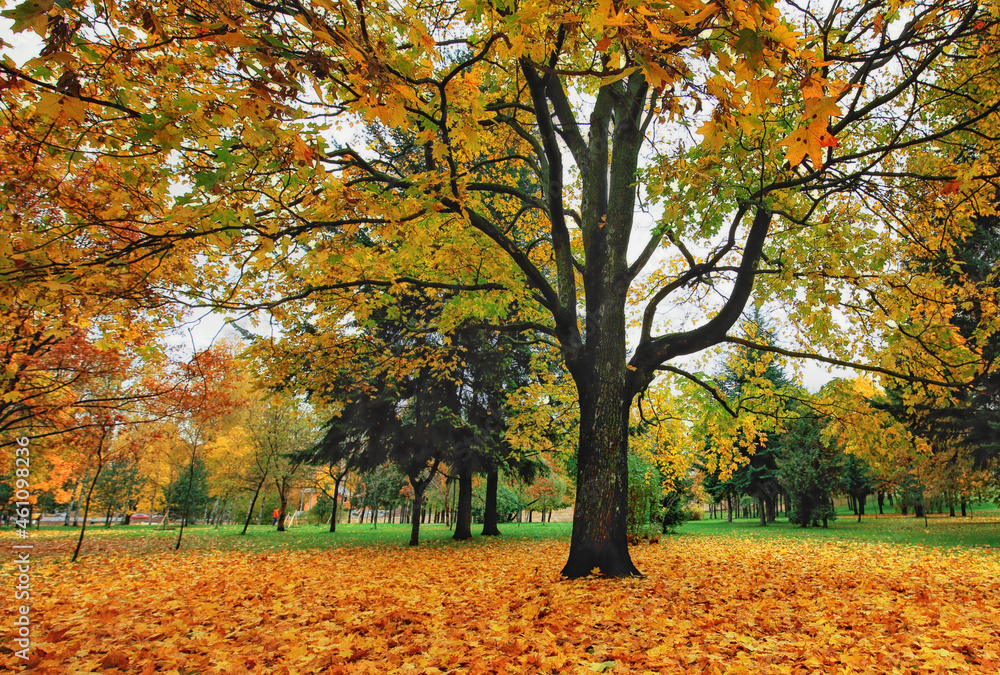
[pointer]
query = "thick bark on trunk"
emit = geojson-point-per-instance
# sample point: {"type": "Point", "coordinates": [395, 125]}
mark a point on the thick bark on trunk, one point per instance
{"type": "Point", "coordinates": [463, 514]}
{"type": "Point", "coordinates": [490, 528]}
{"type": "Point", "coordinates": [599, 539]}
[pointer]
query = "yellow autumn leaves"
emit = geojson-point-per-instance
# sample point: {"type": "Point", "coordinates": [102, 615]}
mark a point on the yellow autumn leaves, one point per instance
{"type": "Point", "coordinates": [725, 605]}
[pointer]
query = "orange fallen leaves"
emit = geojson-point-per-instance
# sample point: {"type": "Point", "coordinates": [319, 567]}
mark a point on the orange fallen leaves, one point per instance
{"type": "Point", "coordinates": [705, 606]}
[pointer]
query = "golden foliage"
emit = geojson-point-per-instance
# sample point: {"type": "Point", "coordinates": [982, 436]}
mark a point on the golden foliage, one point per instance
{"type": "Point", "coordinates": [707, 606]}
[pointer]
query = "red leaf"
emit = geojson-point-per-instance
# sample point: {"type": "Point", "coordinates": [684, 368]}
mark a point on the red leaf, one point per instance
{"type": "Point", "coordinates": [115, 659]}
{"type": "Point", "coordinates": [603, 45]}
{"type": "Point", "coordinates": [950, 187]}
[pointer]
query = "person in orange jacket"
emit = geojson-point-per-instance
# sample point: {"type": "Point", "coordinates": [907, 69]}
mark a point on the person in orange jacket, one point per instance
{"type": "Point", "coordinates": [275, 522]}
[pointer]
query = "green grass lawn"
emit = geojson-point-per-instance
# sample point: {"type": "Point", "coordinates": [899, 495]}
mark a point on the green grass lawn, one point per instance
{"type": "Point", "coordinates": [981, 531]}
{"type": "Point", "coordinates": [59, 540]}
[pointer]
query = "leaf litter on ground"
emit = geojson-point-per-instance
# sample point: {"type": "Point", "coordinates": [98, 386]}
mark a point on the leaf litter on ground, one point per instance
{"type": "Point", "coordinates": [706, 605]}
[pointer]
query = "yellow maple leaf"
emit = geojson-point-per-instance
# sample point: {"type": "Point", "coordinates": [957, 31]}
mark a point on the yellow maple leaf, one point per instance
{"type": "Point", "coordinates": [808, 141]}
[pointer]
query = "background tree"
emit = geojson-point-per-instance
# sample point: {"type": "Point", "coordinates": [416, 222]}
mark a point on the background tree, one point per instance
{"type": "Point", "coordinates": [809, 469]}
{"type": "Point", "coordinates": [189, 493]}
{"type": "Point", "coordinates": [856, 481]}
{"type": "Point", "coordinates": [742, 458]}
{"type": "Point", "coordinates": [117, 490]}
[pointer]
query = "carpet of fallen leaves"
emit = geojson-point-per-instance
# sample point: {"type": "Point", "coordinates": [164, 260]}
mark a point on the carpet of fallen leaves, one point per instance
{"type": "Point", "coordinates": [706, 605]}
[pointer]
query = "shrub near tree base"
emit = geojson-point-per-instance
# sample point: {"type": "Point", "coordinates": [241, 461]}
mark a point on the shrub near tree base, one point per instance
{"type": "Point", "coordinates": [643, 497]}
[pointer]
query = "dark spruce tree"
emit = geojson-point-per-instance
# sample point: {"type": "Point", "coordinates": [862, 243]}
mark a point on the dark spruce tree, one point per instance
{"type": "Point", "coordinates": [750, 373]}
{"type": "Point", "coordinates": [810, 469]}
{"type": "Point", "coordinates": [970, 425]}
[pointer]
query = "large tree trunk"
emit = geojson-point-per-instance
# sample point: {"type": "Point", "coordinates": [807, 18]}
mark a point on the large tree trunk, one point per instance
{"type": "Point", "coordinates": [490, 528]}
{"type": "Point", "coordinates": [599, 539]}
{"type": "Point", "coordinates": [463, 514]}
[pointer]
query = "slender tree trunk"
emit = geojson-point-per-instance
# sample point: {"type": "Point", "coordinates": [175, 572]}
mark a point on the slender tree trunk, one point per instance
{"type": "Point", "coordinates": [86, 510]}
{"type": "Point", "coordinates": [74, 498]}
{"type": "Point", "coordinates": [283, 504]}
{"type": "Point", "coordinates": [336, 498]}
{"type": "Point", "coordinates": [187, 498]}
{"type": "Point", "coordinates": [463, 514]}
{"type": "Point", "coordinates": [729, 507]}
{"type": "Point", "coordinates": [187, 506]}
{"type": "Point", "coordinates": [219, 515]}
{"type": "Point", "coordinates": [418, 504]}
{"type": "Point", "coordinates": [253, 501]}
{"type": "Point", "coordinates": [76, 511]}
{"type": "Point", "coordinates": [763, 510]}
